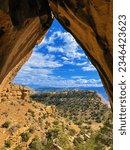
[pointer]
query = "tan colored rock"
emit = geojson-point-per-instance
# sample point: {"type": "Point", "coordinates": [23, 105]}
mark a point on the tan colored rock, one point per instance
{"type": "Point", "coordinates": [14, 91]}
{"type": "Point", "coordinates": [19, 93]}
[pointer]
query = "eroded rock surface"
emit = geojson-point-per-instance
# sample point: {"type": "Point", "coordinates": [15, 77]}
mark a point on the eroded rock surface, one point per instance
{"type": "Point", "coordinates": [24, 22]}
{"type": "Point", "coordinates": [13, 91]}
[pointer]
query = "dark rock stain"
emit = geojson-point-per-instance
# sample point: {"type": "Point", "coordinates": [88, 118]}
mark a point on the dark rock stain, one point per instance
{"type": "Point", "coordinates": [1, 31]}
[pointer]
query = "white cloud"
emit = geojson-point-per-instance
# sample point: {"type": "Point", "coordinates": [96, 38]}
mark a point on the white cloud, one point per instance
{"type": "Point", "coordinates": [55, 49]}
{"type": "Point", "coordinates": [45, 77]}
{"type": "Point", "coordinates": [65, 58]}
{"type": "Point", "coordinates": [82, 64]}
{"type": "Point", "coordinates": [40, 60]}
{"type": "Point", "coordinates": [54, 81]}
{"type": "Point", "coordinates": [62, 42]}
{"type": "Point", "coordinates": [51, 39]}
{"type": "Point", "coordinates": [77, 77]}
{"type": "Point", "coordinates": [39, 67]}
{"type": "Point", "coordinates": [89, 67]}
{"type": "Point", "coordinates": [86, 66]}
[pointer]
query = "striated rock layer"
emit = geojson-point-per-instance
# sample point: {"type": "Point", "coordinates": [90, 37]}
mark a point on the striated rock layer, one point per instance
{"type": "Point", "coordinates": [24, 22]}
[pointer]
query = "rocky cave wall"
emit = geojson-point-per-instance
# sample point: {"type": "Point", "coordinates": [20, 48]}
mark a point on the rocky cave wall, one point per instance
{"type": "Point", "coordinates": [23, 23]}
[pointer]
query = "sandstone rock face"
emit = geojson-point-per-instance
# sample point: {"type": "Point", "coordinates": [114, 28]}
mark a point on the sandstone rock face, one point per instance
{"type": "Point", "coordinates": [19, 32]}
{"type": "Point", "coordinates": [13, 91]}
{"type": "Point", "coordinates": [24, 22]}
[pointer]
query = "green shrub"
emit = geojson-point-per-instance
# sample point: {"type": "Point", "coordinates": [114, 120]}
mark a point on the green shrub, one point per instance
{"type": "Point", "coordinates": [8, 143]}
{"type": "Point", "coordinates": [36, 144]}
{"type": "Point", "coordinates": [72, 132]}
{"type": "Point", "coordinates": [31, 112]}
{"type": "Point", "coordinates": [52, 133]}
{"type": "Point", "coordinates": [56, 122]}
{"type": "Point", "coordinates": [40, 120]}
{"type": "Point", "coordinates": [98, 120]}
{"type": "Point", "coordinates": [89, 122]}
{"type": "Point", "coordinates": [6, 124]}
{"type": "Point", "coordinates": [77, 140]}
{"type": "Point", "coordinates": [31, 129]}
{"type": "Point", "coordinates": [19, 147]}
{"type": "Point", "coordinates": [25, 136]}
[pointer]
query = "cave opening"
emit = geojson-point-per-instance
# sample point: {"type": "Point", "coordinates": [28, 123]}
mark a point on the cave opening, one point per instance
{"type": "Point", "coordinates": [58, 62]}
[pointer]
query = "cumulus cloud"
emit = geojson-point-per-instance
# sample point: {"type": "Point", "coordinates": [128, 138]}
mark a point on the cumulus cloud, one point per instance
{"type": "Point", "coordinates": [82, 63]}
{"type": "Point", "coordinates": [77, 77]}
{"type": "Point", "coordinates": [89, 67]}
{"type": "Point", "coordinates": [86, 66]}
{"type": "Point", "coordinates": [41, 60]}
{"type": "Point", "coordinates": [64, 43]}
{"type": "Point", "coordinates": [55, 49]}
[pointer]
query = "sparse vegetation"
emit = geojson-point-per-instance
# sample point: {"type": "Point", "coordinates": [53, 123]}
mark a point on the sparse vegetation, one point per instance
{"type": "Point", "coordinates": [98, 140]}
{"type": "Point", "coordinates": [74, 120]}
{"type": "Point", "coordinates": [75, 105]}
{"type": "Point", "coordinates": [84, 108]}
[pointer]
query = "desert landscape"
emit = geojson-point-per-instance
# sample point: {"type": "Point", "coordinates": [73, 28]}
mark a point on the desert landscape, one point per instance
{"type": "Point", "coordinates": [77, 120]}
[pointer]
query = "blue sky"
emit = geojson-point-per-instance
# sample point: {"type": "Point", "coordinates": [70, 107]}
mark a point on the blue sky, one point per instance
{"type": "Point", "coordinates": [58, 61]}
